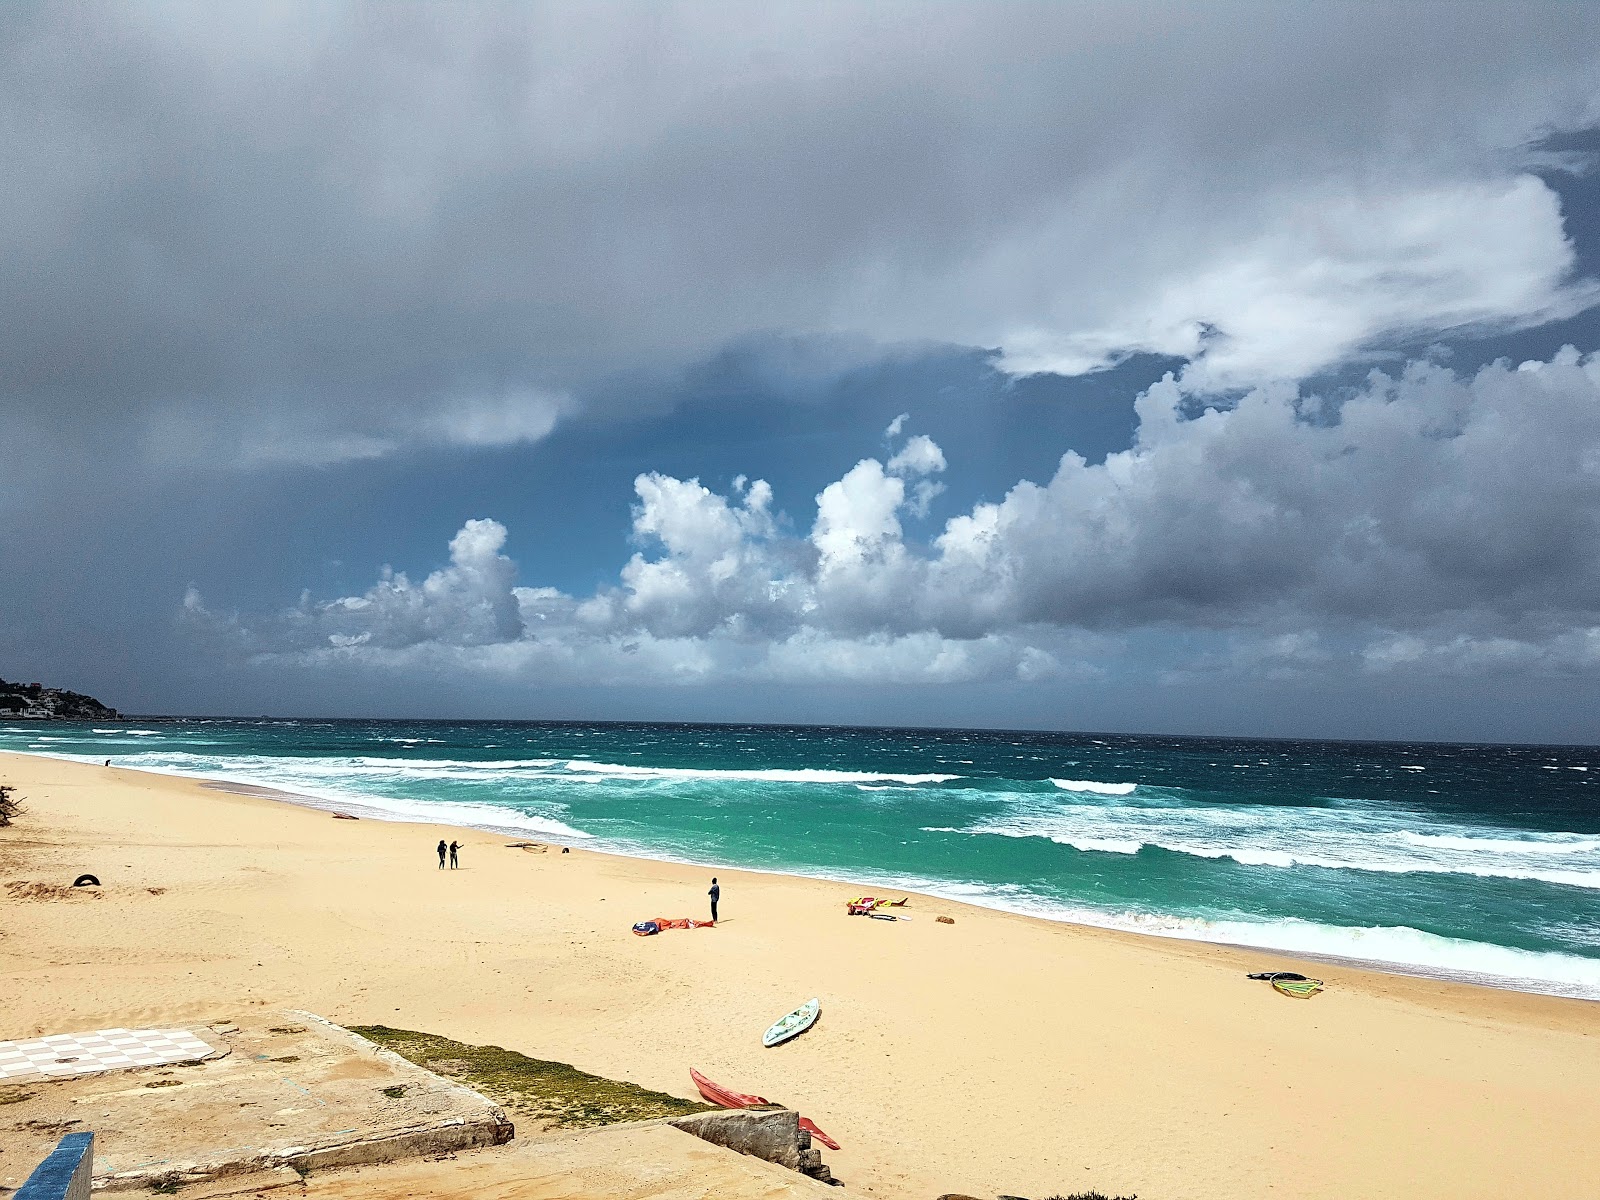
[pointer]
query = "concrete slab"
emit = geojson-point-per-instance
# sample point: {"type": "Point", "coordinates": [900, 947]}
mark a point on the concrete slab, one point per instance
{"type": "Point", "coordinates": [293, 1091]}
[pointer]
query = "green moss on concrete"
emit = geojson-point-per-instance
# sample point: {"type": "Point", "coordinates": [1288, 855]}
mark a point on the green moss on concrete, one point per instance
{"type": "Point", "coordinates": [552, 1092]}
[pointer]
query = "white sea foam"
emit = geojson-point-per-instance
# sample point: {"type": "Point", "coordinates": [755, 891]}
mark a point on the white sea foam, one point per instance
{"type": "Point", "coordinates": [314, 782]}
{"type": "Point", "coordinates": [774, 775]}
{"type": "Point", "coordinates": [1098, 789]}
{"type": "Point", "coordinates": [1396, 947]}
{"type": "Point", "coordinates": [444, 812]}
{"type": "Point", "coordinates": [1555, 843]}
{"type": "Point", "coordinates": [445, 764]}
{"type": "Point", "coordinates": [1332, 838]}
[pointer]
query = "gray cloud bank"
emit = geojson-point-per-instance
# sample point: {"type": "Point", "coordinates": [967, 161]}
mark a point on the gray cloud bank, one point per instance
{"type": "Point", "coordinates": [322, 232]}
{"type": "Point", "coordinates": [1428, 523]}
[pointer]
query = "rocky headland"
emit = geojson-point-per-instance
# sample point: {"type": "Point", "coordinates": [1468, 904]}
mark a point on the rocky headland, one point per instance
{"type": "Point", "coordinates": [35, 702]}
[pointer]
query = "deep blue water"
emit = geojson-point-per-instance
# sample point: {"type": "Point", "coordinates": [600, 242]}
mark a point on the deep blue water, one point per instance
{"type": "Point", "coordinates": [1476, 861]}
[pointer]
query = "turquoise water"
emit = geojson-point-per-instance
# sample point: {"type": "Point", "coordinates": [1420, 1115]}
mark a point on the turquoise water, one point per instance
{"type": "Point", "coordinates": [1480, 862]}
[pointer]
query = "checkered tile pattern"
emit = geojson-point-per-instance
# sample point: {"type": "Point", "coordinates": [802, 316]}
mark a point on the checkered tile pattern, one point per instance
{"type": "Point", "coordinates": [65, 1055]}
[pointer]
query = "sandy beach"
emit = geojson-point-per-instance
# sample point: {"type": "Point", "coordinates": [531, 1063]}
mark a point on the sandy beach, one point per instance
{"type": "Point", "coordinates": [997, 1054]}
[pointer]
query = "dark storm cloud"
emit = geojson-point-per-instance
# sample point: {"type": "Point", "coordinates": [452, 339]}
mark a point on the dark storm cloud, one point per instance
{"type": "Point", "coordinates": [319, 232]}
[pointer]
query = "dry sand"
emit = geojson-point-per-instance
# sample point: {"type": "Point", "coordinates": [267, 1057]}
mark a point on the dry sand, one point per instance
{"type": "Point", "coordinates": [998, 1054]}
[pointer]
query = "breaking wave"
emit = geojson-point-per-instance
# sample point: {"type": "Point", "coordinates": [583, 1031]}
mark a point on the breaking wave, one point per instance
{"type": "Point", "coordinates": [1098, 789]}
{"type": "Point", "coordinates": [776, 775]}
{"type": "Point", "coordinates": [1258, 837]}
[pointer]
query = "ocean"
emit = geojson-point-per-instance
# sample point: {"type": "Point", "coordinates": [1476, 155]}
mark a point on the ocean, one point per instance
{"type": "Point", "coordinates": [1476, 862]}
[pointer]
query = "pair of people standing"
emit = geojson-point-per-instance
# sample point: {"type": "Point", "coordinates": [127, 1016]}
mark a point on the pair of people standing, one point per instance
{"type": "Point", "coordinates": [452, 850]}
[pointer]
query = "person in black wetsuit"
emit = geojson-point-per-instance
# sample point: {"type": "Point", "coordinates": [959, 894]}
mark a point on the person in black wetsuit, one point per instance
{"type": "Point", "coordinates": [454, 846]}
{"type": "Point", "coordinates": [716, 894]}
{"type": "Point", "coordinates": [442, 850]}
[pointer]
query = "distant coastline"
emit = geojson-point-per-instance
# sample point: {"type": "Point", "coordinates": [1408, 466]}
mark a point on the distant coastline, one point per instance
{"type": "Point", "coordinates": [35, 702]}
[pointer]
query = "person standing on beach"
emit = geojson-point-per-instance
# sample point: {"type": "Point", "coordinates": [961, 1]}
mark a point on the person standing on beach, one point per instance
{"type": "Point", "coordinates": [716, 894]}
{"type": "Point", "coordinates": [442, 849]}
{"type": "Point", "coordinates": [454, 846]}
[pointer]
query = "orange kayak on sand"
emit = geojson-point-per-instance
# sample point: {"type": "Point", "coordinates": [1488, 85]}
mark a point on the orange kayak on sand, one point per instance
{"type": "Point", "coordinates": [718, 1094]}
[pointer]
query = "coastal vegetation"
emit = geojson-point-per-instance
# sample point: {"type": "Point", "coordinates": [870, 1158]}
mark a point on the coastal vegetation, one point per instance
{"type": "Point", "coordinates": [555, 1094]}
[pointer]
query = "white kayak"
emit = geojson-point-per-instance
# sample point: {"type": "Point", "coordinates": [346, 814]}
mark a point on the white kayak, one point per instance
{"type": "Point", "coordinates": [793, 1024]}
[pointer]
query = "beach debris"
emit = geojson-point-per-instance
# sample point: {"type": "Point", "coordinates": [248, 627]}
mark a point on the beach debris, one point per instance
{"type": "Point", "coordinates": [945, 920]}
{"type": "Point", "coordinates": [10, 806]}
{"type": "Point", "coordinates": [657, 924]}
{"type": "Point", "coordinates": [862, 906]}
{"type": "Point", "coordinates": [1297, 989]}
{"type": "Point", "coordinates": [1290, 983]}
{"type": "Point", "coordinates": [22, 889]}
{"type": "Point", "coordinates": [157, 891]}
{"type": "Point", "coordinates": [86, 881]}
{"type": "Point", "coordinates": [345, 817]}
{"type": "Point", "coordinates": [530, 847]}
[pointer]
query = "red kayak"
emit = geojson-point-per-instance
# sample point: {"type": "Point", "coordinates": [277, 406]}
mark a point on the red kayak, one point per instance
{"type": "Point", "coordinates": [718, 1094]}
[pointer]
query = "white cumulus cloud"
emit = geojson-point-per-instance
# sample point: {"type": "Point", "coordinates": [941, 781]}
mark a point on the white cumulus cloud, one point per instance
{"type": "Point", "coordinates": [1428, 521]}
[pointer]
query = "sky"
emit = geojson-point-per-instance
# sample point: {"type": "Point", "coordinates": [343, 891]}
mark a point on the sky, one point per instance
{"type": "Point", "coordinates": [1223, 368]}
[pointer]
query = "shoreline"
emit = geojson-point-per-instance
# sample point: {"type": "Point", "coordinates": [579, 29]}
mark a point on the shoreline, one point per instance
{"type": "Point", "coordinates": [999, 1054]}
{"type": "Point", "coordinates": [1521, 985]}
